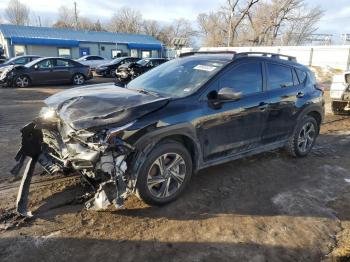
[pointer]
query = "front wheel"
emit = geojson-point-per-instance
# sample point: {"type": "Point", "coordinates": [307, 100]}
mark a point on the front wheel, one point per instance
{"type": "Point", "coordinates": [22, 81]}
{"type": "Point", "coordinates": [78, 79]}
{"type": "Point", "coordinates": [303, 137]}
{"type": "Point", "coordinates": [164, 174]}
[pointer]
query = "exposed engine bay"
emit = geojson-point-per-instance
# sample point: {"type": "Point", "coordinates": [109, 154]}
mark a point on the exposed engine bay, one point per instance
{"type": "Point", "coordinates": [101, 160]}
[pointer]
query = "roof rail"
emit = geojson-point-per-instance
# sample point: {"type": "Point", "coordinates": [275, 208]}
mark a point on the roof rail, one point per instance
{"type": "Point", "coordinates": [207, 53]}
{"type": "Point", "coordinates": [272, 55]}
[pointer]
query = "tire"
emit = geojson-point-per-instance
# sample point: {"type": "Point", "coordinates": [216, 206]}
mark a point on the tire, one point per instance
{"type": "Point", "coordinates": [78, 79]}
{"type": "Point", "coordinates": [167, 187]}
{"type": "Point", "coordinates": [21, 81]}
{"type": "Point", "coordinates": [338, 108]}
{"type": "Point", "coordinates": [303, 137]}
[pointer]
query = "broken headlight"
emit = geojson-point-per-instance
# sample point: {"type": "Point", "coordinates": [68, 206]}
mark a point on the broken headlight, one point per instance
{"type": "Point", "coordinates": [4, 73]}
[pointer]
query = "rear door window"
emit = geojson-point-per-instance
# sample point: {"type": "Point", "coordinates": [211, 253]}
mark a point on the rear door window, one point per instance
{"type": "Point", "coordinates": [45, 64]}
{"type": "Point", "coordinates": [245, 78]}
{"type": "Point", "coordinates": [279, 76]}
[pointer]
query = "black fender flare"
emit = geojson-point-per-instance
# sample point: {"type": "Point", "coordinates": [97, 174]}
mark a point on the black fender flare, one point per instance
{"type": "Point", "coordinates": [146, 143]}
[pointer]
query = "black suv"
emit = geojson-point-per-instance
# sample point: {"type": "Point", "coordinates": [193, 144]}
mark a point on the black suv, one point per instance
{"type": "Point", "coordinates": [187, 114]}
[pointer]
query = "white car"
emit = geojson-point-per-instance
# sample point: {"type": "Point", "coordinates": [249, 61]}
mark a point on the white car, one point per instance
{"type": "Point", "coordinates": [340, 93]}
{"type": "Point", "coordinates": [92, 60]}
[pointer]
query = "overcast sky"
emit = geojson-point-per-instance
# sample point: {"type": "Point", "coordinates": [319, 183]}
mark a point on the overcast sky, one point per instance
{"type": "Point", "coordinates": [335, 21]}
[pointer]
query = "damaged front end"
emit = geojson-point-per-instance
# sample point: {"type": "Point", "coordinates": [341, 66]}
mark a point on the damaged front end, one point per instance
{"type": "Point", "coordinates": [100, 157]}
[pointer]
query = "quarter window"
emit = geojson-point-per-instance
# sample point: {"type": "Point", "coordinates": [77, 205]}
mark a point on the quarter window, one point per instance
{"type": "Point", "coordinates": [279, 76]}
{"type": "Point", "coordinates": [245, 78]}
{"type": "Point", "coordinates": [301, 75]}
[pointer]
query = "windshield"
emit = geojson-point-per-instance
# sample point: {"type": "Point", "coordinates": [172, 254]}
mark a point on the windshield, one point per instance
{"type": "Point", "coordinates": [179, 77]}
{"type": "Point", "coordinates": [142, 62]}
{"type": "Point", "coordinates": [116, 60]}
{"type": "Point", "coordinates": [11, 60]}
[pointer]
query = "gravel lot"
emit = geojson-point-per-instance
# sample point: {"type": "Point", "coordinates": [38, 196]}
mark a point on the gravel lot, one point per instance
{"type": "Point", "coordinates": [268, 207]}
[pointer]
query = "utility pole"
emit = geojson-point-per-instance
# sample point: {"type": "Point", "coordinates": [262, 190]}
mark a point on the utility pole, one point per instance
{"type": "Point", "coordinates": [230, 29]}
{"type": "Point", "coordinates": [39, 20]}
{"type": "Point", "coordinates": [76, 15]}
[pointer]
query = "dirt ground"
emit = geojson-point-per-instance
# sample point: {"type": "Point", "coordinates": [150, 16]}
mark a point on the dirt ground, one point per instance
{"type": "Point", "coordinates": [269, 207]}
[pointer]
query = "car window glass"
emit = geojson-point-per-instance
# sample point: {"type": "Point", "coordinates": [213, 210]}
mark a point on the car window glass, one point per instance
{"type": "Point", "coordinates": [62, 63]}
{"type": "Point", "coordinates": [20, 61]}
{"type": "Point", "coordinates": [279, 76]}
{"type": "Point", "coordinates": [301, 75]}
{"type": "Point", "coordinates": [95, 58]}
{"type": "Point", "coordinates": [295, 78]}
{"type": "Point", "coordinates": [45, 64]}
{"type": "Point", "coordinates": [245, 78]}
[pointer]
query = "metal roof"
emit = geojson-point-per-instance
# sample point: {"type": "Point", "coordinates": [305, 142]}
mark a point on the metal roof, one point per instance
{"type": "Point", "coordinates": [10, 31]}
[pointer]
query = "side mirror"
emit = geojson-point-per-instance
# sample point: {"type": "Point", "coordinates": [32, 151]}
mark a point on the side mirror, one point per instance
{"type": "Point", "coordinates": [36, 67]}
{"type": "Point", "coordinates": [227, 93]}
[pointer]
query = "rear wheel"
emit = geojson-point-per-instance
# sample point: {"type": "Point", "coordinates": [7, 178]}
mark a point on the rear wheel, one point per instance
{"type": "Point", "coordinates": [78, 79]}
{"type": "Point", "coordinates": [304, 137]}
{"type": "Point", "coordinates": [164, 174]}
{"type": "Point", "coordinates": [22, 81]}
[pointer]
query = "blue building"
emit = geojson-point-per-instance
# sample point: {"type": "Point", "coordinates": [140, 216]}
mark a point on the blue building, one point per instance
{"type": "Point", "coordinates": [46, 41]}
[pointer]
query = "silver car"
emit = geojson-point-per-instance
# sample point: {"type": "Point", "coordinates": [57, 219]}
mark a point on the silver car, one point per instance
{"type": "Point", "coordinates": [340, 93]}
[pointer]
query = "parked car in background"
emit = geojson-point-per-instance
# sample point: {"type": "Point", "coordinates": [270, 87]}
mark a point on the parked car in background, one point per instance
{"type": "Point", "coordinates": [109, 69]}
{"type": "Point", "coordinates": [20, 60]}
{"type": "Point", "coordinates": [92, 60]}
{"type": "Point", "coordinates": [129, 71]}
{"type": "Point", "coordinates": [48, 70]}
{"type": "Point", "coordinates": [340, 94]}
{"type": "Point", "coordinates": [185, 115]}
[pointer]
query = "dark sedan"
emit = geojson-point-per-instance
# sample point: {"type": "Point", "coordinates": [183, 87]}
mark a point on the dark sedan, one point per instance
{"type": "Point", "coordinates": [20, 60]}
{"type": "Point", "coordinates": [49, 70]}
{"type": "Point", "coordinates": [129, 71]}
{"type": "Point", "coordinates": [109, 69]}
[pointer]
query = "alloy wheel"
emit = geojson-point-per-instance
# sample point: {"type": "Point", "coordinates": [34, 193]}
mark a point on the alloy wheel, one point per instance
{"type": "Point", "coordinates": [22, 81]}
{"type": "Point", "coordinates": [78, 79]}
{"type": "Point", "coordinates": [166, 175]}
{"type": "Point", "coordinates": [306, 137]}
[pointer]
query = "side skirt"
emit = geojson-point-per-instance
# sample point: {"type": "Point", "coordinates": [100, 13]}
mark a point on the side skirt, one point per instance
{"type": "Point", "coordinates": [243, 154]}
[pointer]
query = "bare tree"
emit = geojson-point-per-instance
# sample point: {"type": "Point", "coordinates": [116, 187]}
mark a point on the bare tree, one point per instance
{"type": "Point", "coordinates": [66, 18]}
{"type": "Point", "coordinates": [151, 27]}
{"type": "Point", "coordinates": [69, 18]}
{"type": "Point", "coordinates": [254, 22]}
{"type": "Point", "coordinates": [222, 27]}
{"type": "Point", "coordinates": [283, 22]}
{"type": "Point", "coordinates": [235, 15]}
{"type": "Point", "coordinates": [126, 20]}
{"type": "Point", "coordinates": [213, 28]}
{"type": "Point", "coordinates": [17, 13]}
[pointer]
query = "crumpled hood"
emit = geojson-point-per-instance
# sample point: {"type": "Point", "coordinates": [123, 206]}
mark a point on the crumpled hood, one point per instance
{"type": "Point", "coordinates": [100, 105]}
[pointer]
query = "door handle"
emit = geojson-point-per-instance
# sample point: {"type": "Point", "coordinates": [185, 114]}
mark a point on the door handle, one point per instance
{"type": "Point", "coordinates": [262, 106]}
{"type": "Point", "coordinates": [300, 94]}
